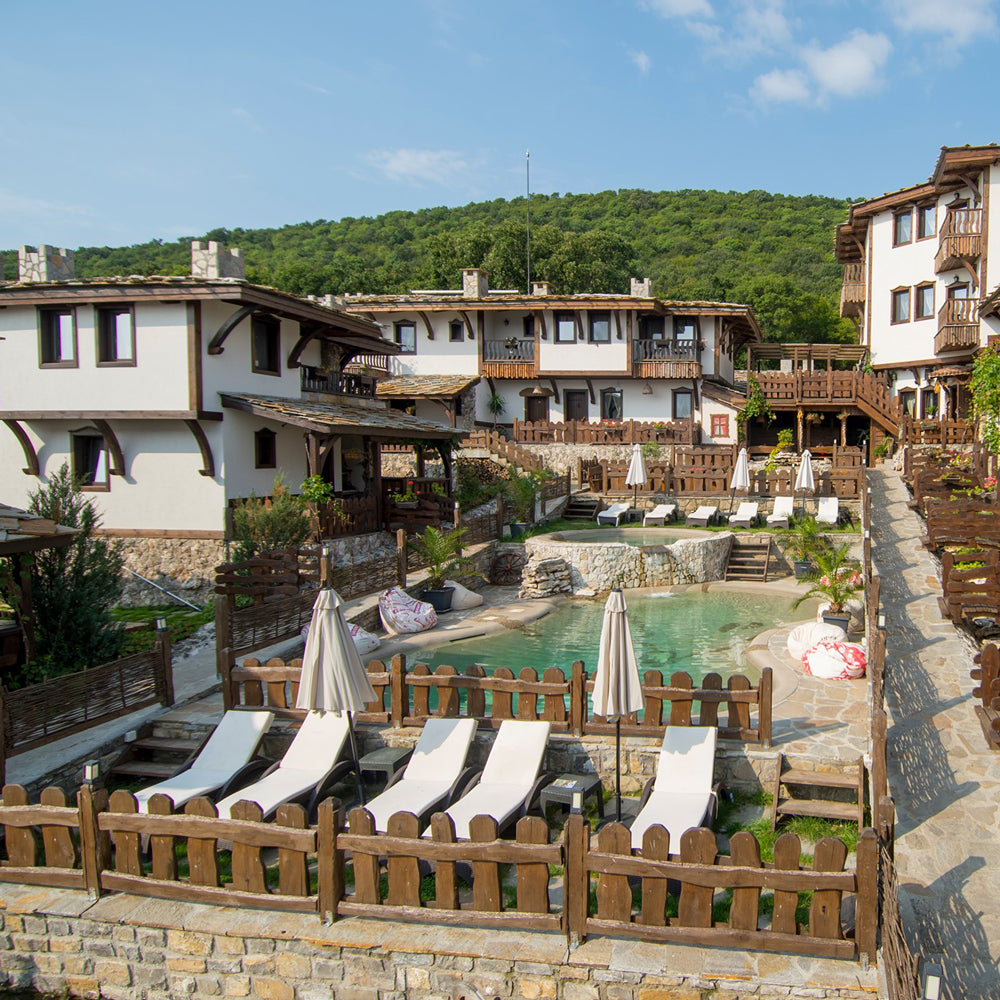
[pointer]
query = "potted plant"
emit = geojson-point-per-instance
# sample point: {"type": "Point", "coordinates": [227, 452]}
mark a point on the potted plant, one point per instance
{"type": "Point", "coordinates": [806, 542]}
{"type": "Point", "coordinates": [521, 492]}
{"type": "Point", "coordinates": [407, 498]}
{"type": "Point", "coordinates": [839, 578]}
{"type": "Point", "coordinates": [442, 553]}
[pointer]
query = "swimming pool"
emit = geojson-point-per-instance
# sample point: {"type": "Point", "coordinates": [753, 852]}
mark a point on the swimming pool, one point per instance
{"type": "Point", "coordinates": [700, 632]}
{"type": "Point", "coordinates": [630, 536]}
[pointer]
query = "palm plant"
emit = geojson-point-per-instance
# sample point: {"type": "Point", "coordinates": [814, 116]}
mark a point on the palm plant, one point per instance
{"type": "Point", "coordinates": [442, 552]}
{"type": "Point", "coordinates": [837, 578]}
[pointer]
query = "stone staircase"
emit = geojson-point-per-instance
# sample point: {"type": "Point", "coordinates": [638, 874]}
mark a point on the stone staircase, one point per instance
{"type": "Point", "coordinates": [749, 558]}
{"type": "Point", "coordinates": [152, 757]}
{"type": "Point", "coordinates": [801, 791]}
{"type": "Point", "coordinates": [582, 507]}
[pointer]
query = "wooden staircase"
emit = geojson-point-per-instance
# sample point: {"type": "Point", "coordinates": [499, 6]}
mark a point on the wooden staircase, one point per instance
{"type": "Point", "coordinates": [749, 558]}
{"type": "Point", "coordinates": [844, 798]}
{"type": "Point", "coordinates": [582, 507]}
{"type": "Point", "coordinates": [153, 757]}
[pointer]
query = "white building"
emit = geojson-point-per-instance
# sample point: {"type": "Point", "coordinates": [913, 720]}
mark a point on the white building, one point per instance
{"type": "Point", "coordinates": [552, 357]}
{"type": "Point", "coordinates": [920, 281]}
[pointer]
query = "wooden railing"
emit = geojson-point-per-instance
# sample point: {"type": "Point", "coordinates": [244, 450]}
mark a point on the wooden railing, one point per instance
{"type": "Point", "coordinates": [939, 432]}
{"type": "Point", "coordinates": [348, 516]}
{"type": "Point", "coordinates": [805, 388]}
{"type": "Point", "coordinates": [34, 716]}
{"type": "Point", "coordinates": [507, 451]}
{"type": "Point", "coordinates": [987, 693]}
{"type": "Point", "coordinates": [602, 476]}
{"type": "Point", "coordinates": [960, 521]}
{"type": "Point", "coordinates": [336, 383]}
{"type": "Point", "coordinates": [853, 291]}
{"type": "Point", "coordinates": [619, 432]}
{"type": "Point", "coordinates": [958, 326]}
{"type": "Point", "coordinates": [961, 238]}
{"type": "Point", "coordinates": [363, 363]}
{"type": "Point", "coordinates": [664, 350]}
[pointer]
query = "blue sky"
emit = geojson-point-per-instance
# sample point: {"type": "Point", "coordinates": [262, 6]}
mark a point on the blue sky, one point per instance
{"type": "Point", "coordinates": [128, 121]}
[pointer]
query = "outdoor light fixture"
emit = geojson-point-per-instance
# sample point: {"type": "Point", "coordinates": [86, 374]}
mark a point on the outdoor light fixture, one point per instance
{"type": "Point", "coordinates": [647, 390]}
{"type": "Point", "coordinates": [91, 771]}
{"type": "Point", "coordinates": [933, 974]}
{"type": "Point", "coordinates": [881, 619]}
{"type": "Point", "coordinates": [160, 624]}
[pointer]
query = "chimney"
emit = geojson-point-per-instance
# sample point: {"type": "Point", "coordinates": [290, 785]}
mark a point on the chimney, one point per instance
{"type": "Point", "coordinates": [641, 289]}
{"type": "Point", "coordinates": [475, 283]}
{"type": "Point", "coordinates": [45, 263]}
{"type": "Point", "coordinates": [212, 260]}
{"type": "Point", "coordinates": [541, 288]}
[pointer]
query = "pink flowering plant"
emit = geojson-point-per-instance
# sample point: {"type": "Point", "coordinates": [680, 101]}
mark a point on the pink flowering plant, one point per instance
{"type": "Point", "coordinates": [837, 579]}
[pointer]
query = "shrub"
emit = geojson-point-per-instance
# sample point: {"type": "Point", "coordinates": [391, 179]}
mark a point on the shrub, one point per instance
{"type": "Point", "coordinates": [262, 524]}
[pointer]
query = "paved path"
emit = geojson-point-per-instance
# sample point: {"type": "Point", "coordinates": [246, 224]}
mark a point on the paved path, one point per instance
{"type": "Point", "coordinates": [945, 782]}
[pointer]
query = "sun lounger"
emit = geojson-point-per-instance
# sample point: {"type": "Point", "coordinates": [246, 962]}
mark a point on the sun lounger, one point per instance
{"type": "Point", "coordinates": [703, 516]}
{"type": "Point", "coordinates": [779, 517]}
{"type": "Point", "coordinates": [828, 511]}
{"type": "Point", "coordinates": [745, 516]}
{"type": "Point", "coordinates": [311, 763]}
{"type": "Point", "coordinates": [681, 796]}
{"type": "Point", "coordinates": [509, 782]}
{"type": "Point", "coordinates": [402, 614]}
{"type": "Point", "coordinates": [432, 776]}
{"type": "Point", "coordinates": [660, 514]}
{"type": "Point", "coordinates": [614, 513]}
{"type": "Point", "coordinates": [223, 762]}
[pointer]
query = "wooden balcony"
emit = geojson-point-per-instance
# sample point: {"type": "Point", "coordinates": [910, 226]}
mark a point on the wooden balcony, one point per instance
{"type": "Point", "coordinates": [511, 358]}
{"type": "Point", "coordinates": [853, 292]}
{"type": "Point", "coordinates": [961, 239]}
{"type": "Point", "coordinates": [958, 327]}
{"type": "Point", "coordinates": [336, 383]}
{"type": "Point", "coordinates": [665, 359]}
{"type": "Point", "coordinates": [368, 364]}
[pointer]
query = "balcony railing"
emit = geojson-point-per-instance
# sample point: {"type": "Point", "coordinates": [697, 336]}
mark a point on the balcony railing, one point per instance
{"type": "Point", "coordinates": [363, 363]}
{"type": "Point", "coordinates": [853, 292]}
{"type": "Point", "coordinates": [958, 326]}
{"type": "Point", "coordinates": [508, 350]}
{"type": "Point", "coordinates": [961, 238]}
{"type": "Point", "coordinates": [337, 383]}
{"type": "Point", "coordinates": [664, 350]}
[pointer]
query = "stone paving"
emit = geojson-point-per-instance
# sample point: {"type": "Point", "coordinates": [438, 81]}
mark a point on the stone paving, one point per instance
{"type": "Point", "coordinates": [943, 778]}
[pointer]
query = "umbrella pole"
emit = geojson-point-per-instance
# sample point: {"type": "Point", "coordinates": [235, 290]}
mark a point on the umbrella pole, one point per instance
{"type": "Point", "coordinates": [618, 767]}
{"type": "Point", "coordinates": [732, 499]}
{"type": "Point", "coordinates": [357, 763]}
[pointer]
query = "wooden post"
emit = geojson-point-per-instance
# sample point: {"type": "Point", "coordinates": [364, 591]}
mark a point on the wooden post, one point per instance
{"type": "Point", "coordinates": [866, 918]}
{"type": "Point", "coordinates": [500, 515]}
{"type": "Point", "coordinates": [577, 698]}
{"type": "Point", "coordinates": [799, 428]}
{"type": "Point", "coordinates": [576, 895]}
{"type": "Point", "coordinates": [223, 648]}
{"type": "Point", "coordinates": [329, 861]}
{"type": "Point", "coordinates": [398, 695]}
{"type": "Point", "coordinates": [165, 667]}
{"type": "Point", "coordinates": [89, 805]}
{"type": "Point", "coordinates": [843, 428]}
{"type": "Point", "coordinates": [324, 566]}
{"type": "Point", "coordinates": [765, 695]}
{"type": "Point", "coordinates": [3, 736]}
{"type": "Point", "coordinates": [401, 556]}
{"type": "Point", "coordinates": [457, 521]}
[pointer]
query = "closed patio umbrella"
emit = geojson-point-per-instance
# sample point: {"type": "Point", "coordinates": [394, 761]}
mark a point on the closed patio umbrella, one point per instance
{"type": "Point", "coordinates": [741, 476]}
{"type": "Point", "coordinates": [804, 479]}
{"type": "Point", "coordinates": [333, 678]}
{"type": "Point", "coordinates": [636, 475]}
{"type": "Point", "coordinates": [617, 687]}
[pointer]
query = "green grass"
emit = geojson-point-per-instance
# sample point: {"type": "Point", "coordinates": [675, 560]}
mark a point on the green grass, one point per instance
{"type": "Point", "coordinates": [181, 622]}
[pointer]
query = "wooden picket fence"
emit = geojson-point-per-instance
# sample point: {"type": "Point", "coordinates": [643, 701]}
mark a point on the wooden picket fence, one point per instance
{"type": "Point", "coordinates": [961, 521]}
{"type": "Point", "coordinates": [609, 432]}
{"type": "Point", "coordinates": [937, 432]}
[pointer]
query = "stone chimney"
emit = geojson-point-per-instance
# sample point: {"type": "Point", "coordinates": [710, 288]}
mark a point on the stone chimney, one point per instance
{"type": "Point", "coordinates": [212, 260]}
{"type": "Point", "coordinates": [45, 263]}
{"type": "Point", "coordinates": [641, 289]}
{"type": "Point", "coordinates": [541, 288]}
{"type": "Point", "coordinates": [475, 283]}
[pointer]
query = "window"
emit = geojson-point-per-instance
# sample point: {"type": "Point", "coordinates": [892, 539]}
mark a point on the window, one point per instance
{"type": "Point", "coordinates": [115, 336]}
{"type": "Point", "coordinates": [651, 328]}
{"type": "Point", "coordinates": [57, 337]}
{"type": "Point", "coordinates": [456, 331]}
{"type": "Point", "coordinates": [265, 337]}
{"type": "Point", "coordinates": [958, 291]}
{"type": "Point", "coordinates": [720, 425]}
{"type": "Point", "coordinates": [908, 401]}
{"type": "Point", "coordinates": [682, 404]}
{"type": "Point", "coordinates": [902, 227]}
{"type": "Point", "coordinates": [924, 302]}
{"type": "Point", "coordinates": [565, 328]}
{"type": "Point", "coordinates": [405, 334]}
{"type": "Point", "coordinates": [901, 305]}
{"type": "Point", "coordinates": [265, 449]}
{"type": "Point", "coordinates": [600, 327]}
{"type": "Point", "coordinates": [685, 329]}
{"type": "Point", "coordinates": [611, 404]}
{"type": "Point", "coordinates": [926, 221]}
{"type": "Point", "coordinates": [528, 328]}
{"type": "Point", "coordinates": [89, 461]}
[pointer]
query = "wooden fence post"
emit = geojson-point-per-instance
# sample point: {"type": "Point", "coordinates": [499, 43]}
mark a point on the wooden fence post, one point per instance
{"type": "Point", "coordinates": [399, 699]}
{"type": "Point", "coordinates": [577, 698]}
{"type": "Point", "coordinates": [329, 861]}
{"type": "Point", "coordinates": [457, 521]}
{"type": "Point", "coordinates": [765, 695]}
{"type": "Point", "coordinates": [401, 556]}
{"type": "Point", "coordinates": [576, 894]}
{"type": "Point", "coordinates": [3, 736]}
{"type": "Point", "coordinates": [500, 515]}
{"type": "Point", "coordinates": [89, 805]}
{"type": "Point", "coordinates": [866, 916]}
{"type": "Point", "coordinates": [165, 665]}
{"type": "Point", "coordinates": [223, 649]}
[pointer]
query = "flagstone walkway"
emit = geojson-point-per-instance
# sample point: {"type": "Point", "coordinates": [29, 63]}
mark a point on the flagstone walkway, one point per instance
{"type": "Point", "coordinates": [943, 778]}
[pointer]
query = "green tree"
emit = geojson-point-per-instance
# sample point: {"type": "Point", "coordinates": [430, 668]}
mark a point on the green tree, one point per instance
{"type": "Point", "coordinates": [263, 524]}
{"type": "Point", "coordinates": [985, 386]}
{"type": "Point", "coordinates": [73, 589]}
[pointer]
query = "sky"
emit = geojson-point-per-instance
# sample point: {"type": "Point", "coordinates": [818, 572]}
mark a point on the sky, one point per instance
{"type": "Point", "coordinates": [124, 122]}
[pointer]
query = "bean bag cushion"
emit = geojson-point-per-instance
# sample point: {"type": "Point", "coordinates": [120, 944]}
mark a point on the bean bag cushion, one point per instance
{"type": "Point", "coordinates": [463, 597]}
{"type": "Point", "coordinates": [835, 661]}
{"type": "Point", "coordinates": [364, 641]}
{"type": "Point", "coordinates": [804, 637]}
{"type": "Point", "coordinates": [402, 614]}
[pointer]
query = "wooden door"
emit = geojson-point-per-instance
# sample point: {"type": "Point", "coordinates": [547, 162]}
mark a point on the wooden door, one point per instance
{"type": "Point", "coordinates": [575, 404]}
{"type": "Point", "coordinates": [536, 408]}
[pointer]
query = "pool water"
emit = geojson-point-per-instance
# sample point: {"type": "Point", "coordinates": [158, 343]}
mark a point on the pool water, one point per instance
{"type": "Point", "coordinates": [700, 632]}
{"type": "Point", "coordinates": [630, 536]}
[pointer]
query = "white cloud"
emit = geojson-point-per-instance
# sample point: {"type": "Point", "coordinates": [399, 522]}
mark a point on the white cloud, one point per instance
{"type": "Point", "coordinates": [959, 23]}
{"type": "Point", "coordinates": [248, 119]}
{"type": "Point", "coordinates": [745, 28]}
{"type": "Point", "coordinates": [642, 61]}
{"type": "Point", "coordinates": [414, 166]}
{"type": "Point", "coordinates": [679, 8]}
{"type": "Point", "coordinates": [850, 67]}
{"type": "Point", "coordinates": [781, 86]}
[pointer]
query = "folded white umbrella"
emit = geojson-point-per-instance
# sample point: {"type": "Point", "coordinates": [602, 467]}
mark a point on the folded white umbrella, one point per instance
{"type": "Point", "coordinates": [741, 476]}
{"type": "Point", "coordinates": [617, 687]}
{"type": "Point", "coordinates": [636, 475]}
{"type": "Point", "coordinates": [333, 678]}
{"type": "Point", "coordinates": [804, 479]}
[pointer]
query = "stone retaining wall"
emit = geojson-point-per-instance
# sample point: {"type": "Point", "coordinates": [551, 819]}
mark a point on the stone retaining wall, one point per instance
{"type": "Point", "coordinates": [128, 948]}
{"type": "Point", "coordinates": [185, 566]}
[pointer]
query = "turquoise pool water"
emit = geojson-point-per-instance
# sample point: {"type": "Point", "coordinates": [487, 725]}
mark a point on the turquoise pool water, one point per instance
{"type": "Point", "coordinates": [691, 630]}
{"type": "Point", "coordinates": [630, 536]}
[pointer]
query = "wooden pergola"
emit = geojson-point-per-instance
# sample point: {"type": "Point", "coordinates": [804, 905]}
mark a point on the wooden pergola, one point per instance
{"type": "Point", "coordinates": [806, 356]}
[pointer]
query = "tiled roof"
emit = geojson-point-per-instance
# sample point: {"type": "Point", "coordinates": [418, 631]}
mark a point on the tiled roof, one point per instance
{"type": "Point", "coordinates": [413, 386]}
{"type": "Point", "coordinates": [24, 532]}
{"type": "Point", "coordinates": [340, 417]}
{"type": "Point", "coordinates": [950, 370]}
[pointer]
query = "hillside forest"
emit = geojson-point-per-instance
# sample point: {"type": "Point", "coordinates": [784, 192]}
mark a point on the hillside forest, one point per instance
{"type": "Point", "coordinates": [772, 251]}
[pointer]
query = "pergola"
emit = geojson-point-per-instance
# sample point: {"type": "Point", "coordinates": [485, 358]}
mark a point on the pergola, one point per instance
{"type": "Point", "coordinates": [807, 356]}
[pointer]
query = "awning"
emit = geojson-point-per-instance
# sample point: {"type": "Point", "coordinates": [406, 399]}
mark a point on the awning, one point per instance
{"type": "Point", "coordinates": [536, 392]}
{"type": "Point", "coordinates": [24, 532]}
{"type": "Point", "coordinates": [340, 417]}
{"type": "Point", "coordinates": [424, 386]}
{"type": "Point", "coordinates": [957, 372]}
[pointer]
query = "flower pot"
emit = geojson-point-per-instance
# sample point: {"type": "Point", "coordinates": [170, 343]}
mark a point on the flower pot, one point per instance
{"type": "Point", "coordinates": [802, 567]}
{"type": "Point", "coordinates": [839, 618]}
{"type": "Point", "coordinates": [440, 599]}
{"type": "Point", "coordinates": [406, 504]}
{"type": "Point", "coordinates": [518, 528]}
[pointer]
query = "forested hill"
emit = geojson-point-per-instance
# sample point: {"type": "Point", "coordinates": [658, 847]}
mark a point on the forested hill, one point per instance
{"type": "Point", "coordinates": [772, 251]}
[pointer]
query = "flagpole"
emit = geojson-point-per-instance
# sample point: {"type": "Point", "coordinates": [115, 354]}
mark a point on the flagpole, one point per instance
{"type": "Point", "coordinates": [527, 212]}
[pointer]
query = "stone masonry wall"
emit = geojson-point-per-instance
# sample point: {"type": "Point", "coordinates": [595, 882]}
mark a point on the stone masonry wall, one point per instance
{"type": "Point", "coordinates": [185, 566]}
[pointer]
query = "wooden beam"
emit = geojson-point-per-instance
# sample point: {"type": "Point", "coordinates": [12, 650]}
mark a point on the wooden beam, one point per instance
{"type": "Point", "coordinates": [618, 322]}
{"type": "Point", "coordinates": [581, 332]}
{"type": "Point", "coordinates": [227, 327]}
{"type": "Point", "coordinates": [555, 389]}
{"type": "Point", "coordinates": [30, 458]}
{"type": "Point", "coordinates": [470, 332]}
{"type": "Point", "coordinates": [308, 332]}
{"type": "Point", "coordinates": [590, 389]}
{"type": "Point", "coordinates": [207, 459]}
{"type": "Point", "coordinates": [540, 324]}
{"type": "Point", "coordinates": [116, 467]}
{"type": "Point", "coordinates": [427, 324]}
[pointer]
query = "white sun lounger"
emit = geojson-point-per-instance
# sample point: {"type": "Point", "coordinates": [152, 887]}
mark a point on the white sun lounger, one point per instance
{"type": "Point", "coordinates": [783, 508]}
{"type": "Point", "coordinates": [614, 513]}
{"type": "Point", "coordinates": [219, 763]}
{"type": "Point", "coordinates": [745, 516]}
{"type": "Point", "coordinates": [660, 514]}
{"type": "Point", "coordinates": [510, 779]}
{"type": "Point", "coordinates": [828, 511]}
{"type": "Point", "coordinates": [309, 762]}
{"type": "Point", "coordinates": [703, 516]}
{"type": "Point", "coordinates": [429, 779]}
{"type": "Point", "coordinates": [681, 795]}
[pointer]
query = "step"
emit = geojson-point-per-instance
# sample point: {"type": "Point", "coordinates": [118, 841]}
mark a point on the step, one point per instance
{"type": "Point", "coordinates": [144, 768]}
{"type": "Point", "coordinates": [165, 744]}
{"type": "Point", "coordinates": [819, 779]}
{"type": "Point", "coordinates": [818, 807]}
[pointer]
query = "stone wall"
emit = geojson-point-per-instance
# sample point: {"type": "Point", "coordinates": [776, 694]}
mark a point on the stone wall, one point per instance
{"type": "Point", "coordinates": [185, 566]}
